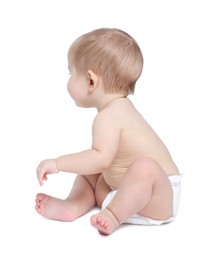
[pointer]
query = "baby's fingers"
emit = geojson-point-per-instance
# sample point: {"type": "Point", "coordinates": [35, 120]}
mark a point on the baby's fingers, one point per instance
{"type": "Point", "coordinates": [44, 179]}
{"type": "Point", "coordinates": [40, 180]}
{"type": "Point", "coordinates": [41, 177]}
{"type": "Point", "coordinates": [46, 167]}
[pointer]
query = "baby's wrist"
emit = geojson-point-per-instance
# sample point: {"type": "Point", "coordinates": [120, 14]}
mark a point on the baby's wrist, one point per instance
{"type": "Point", "coordinates": [57, 165]}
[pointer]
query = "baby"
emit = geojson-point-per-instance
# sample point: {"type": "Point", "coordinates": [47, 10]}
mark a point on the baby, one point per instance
{"type": "Point", "coordinates": [128, 171]}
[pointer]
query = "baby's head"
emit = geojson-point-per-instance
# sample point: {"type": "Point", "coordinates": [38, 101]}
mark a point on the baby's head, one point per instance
{"type": "Point", "coordinates": [110, 53]}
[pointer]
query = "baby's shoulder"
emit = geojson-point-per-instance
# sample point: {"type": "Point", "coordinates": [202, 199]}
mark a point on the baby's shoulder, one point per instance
{"type": "Point", "coordinates": [104, 116]}
{"type": "Point", "coordinates": [117, 113]}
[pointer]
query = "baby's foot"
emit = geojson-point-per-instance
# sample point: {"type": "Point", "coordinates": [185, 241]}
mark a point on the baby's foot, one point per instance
{"type": "Point", "coordinates": [105, 222]}
{"type": "Point", "coordinates": [53, 208]}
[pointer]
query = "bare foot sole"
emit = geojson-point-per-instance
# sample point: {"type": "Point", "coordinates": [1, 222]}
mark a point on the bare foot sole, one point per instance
{"type": "Point", "coordinates": [53, 208]}
{"type": "Point", "coordinates": [105, 222]}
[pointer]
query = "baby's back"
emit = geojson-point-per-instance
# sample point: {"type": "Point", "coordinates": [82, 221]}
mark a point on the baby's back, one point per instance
{"type": "Point", "coordinates": [137, 139]}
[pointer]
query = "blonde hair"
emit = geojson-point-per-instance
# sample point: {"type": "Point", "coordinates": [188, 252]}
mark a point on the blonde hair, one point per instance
{"type": "Point", "coordinates": [110, 53]}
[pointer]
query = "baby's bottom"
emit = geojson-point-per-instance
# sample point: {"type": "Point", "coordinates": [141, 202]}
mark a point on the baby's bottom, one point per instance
{"type": "Point", "coordinates": [145, 191]}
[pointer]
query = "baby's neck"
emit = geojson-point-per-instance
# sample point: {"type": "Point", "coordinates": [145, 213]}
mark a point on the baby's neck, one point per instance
{"type": "Point", "coordinates": [108, 100]}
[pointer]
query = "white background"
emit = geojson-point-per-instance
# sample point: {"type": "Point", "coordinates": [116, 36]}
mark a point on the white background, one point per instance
{"type": "Point", "coordinates": [39, 120]}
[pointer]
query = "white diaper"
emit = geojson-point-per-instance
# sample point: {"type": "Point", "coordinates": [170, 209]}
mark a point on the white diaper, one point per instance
{"type": "Point", "coordinates": [137, 219]}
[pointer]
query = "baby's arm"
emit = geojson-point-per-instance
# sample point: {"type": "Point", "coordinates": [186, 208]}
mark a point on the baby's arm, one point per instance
{"type": "Point", "coordinates": [106, 135]}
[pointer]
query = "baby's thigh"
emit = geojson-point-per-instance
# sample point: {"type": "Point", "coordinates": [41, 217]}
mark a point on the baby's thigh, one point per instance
{"type": "Point", "coordinates": [160, 205]}
{"type": "Point", "coordinates": [92, 179]}
{"type": "Point", "coordinates": [101, 190]}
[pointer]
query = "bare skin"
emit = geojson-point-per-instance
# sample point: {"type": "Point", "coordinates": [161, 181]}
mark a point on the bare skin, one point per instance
{"type": "Point", "coordinates": [150, 196]}
{"type": "Point", "coordinates": [87, 192]}
{"type": "Point", "coordinates": [127, 154]}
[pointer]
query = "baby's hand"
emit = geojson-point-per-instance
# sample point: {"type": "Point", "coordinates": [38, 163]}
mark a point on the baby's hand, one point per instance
{"type": "Point", "coordinates": [46, 167]}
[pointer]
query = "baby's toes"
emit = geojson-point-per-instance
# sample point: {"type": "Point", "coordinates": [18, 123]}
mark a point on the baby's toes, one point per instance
{"type": "Point", "coordinates": [37, 207]}
{"type": "Point", "coordinates": [104, 223]}
{"type": "Point", "coordinates": [43, 198]}
{"type": "Point", "coordinates": [40, 196]}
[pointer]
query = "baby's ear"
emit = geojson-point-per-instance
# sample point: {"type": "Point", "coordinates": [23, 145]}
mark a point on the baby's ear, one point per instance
{"type": "Point", "coordinates": [93, 80]}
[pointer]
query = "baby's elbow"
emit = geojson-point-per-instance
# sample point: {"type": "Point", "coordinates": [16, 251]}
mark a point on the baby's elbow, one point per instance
{"type": "Point", "coordinates": [103, 160]}
{"type": "Point", "coordinates": [106, 163]}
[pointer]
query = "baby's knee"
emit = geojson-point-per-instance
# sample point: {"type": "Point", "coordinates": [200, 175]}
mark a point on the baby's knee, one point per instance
{"type": "Point", "coordinates": [145, 166]}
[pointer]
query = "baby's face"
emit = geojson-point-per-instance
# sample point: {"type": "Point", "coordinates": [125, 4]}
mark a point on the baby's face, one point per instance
{"type": "Point", "coordinates": [78, 88]}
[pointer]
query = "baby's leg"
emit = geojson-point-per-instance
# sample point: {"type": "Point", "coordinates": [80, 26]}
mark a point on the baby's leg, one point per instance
{"type": "Point", "coordinates": [145, 189]}
{"type": "Point", "coordinates": [80, 200]}
{"type": "Point", "coordinates": [101, 190]}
